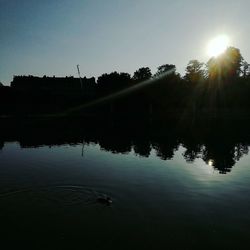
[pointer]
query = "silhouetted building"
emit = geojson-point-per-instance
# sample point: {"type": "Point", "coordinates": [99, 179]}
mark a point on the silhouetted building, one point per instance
{"type": "Point", "coordinates": [54, 84]}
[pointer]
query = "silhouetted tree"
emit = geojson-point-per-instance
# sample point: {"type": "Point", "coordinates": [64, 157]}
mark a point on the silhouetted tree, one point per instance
{"type": "Point", "coordinates": [245, 69]}
{"type": "Point", "coordinates": [166, 69]}
{"type": "Point", "coordinates": [226, 66]}
{"type": "Point", "coordinates": [112, 82]}
{"type": "Point", "coordinates": [195, 72]}
{"type": "Point", "coordinates": [142, 74]}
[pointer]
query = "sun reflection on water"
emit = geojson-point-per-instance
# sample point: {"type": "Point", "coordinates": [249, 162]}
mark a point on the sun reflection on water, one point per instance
{"type": "Point", "coordinates": [210, 163]}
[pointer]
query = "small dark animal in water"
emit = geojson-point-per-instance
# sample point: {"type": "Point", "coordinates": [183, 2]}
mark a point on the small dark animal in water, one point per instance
{"type": "Point", "coordinates": [104, 200]}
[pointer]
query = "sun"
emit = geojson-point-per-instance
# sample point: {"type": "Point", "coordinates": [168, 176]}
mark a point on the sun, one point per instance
{"type": "Point", "coordinates": [217, 45]}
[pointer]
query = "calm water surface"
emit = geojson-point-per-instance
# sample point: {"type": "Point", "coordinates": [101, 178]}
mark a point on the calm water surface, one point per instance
{"type": "Point", "coordinates": [48, 199]}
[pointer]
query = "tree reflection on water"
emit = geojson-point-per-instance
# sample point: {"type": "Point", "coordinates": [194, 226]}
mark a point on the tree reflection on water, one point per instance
{"type": "Point", "coordinates": [220, 150]}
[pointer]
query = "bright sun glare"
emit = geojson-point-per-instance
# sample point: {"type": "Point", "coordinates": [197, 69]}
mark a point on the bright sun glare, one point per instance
{"type": "Point", "coordinates": [217, 45]}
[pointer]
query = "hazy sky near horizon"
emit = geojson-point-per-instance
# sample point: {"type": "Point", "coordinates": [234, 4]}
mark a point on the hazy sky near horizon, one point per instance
{"type": "Point", "coordinates": [51, 37]}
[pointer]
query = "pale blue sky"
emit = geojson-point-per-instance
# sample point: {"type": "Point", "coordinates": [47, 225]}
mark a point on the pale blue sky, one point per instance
{"type": "Point", "coordinates": [52, 36]}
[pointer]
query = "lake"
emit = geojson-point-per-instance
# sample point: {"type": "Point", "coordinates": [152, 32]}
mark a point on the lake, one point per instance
{"type": "Point", "coordinates": [168, 192]}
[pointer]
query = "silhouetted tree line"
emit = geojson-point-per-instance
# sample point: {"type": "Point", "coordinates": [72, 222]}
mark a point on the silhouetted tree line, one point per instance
{"type": "Point", "coordinates": [219, 87]}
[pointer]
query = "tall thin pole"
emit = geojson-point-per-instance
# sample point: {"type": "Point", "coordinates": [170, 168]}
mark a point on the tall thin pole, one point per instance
{"type": "Point", "coordinates": [78, 69]}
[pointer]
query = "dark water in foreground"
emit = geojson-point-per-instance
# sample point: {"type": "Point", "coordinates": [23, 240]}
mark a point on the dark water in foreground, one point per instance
{"type": "Point", "coordinates": [170, 197]}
